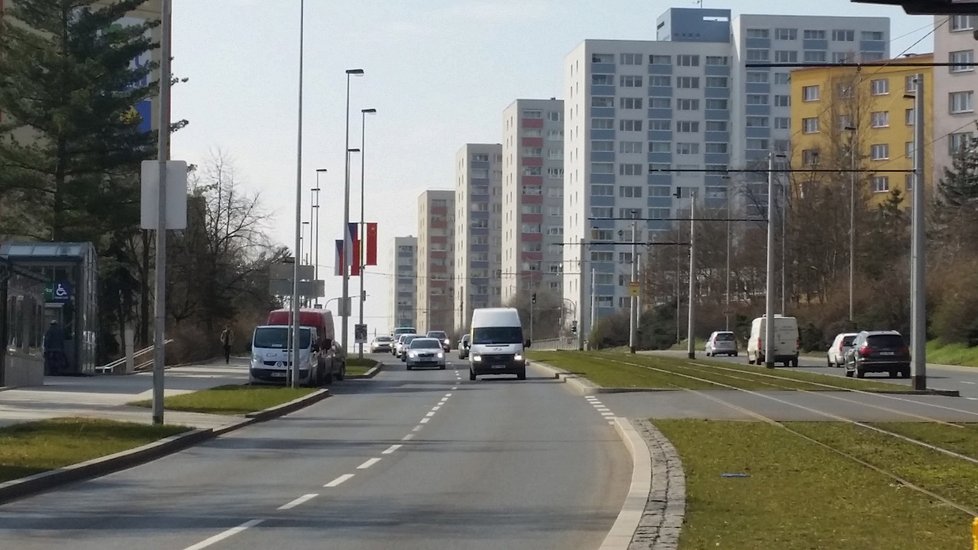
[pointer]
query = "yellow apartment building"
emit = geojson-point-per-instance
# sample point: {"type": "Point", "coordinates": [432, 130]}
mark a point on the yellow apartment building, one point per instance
{"type": "Point", "coordinates": [862, 118]}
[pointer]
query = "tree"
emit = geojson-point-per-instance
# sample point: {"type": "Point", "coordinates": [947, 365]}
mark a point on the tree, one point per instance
{"type": "Point", "coordinates": [71, 142]}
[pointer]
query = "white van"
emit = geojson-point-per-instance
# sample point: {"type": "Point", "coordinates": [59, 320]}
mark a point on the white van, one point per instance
{"type": "Point", "coordinates": [496, 343]}
{"type": "Point", "coordinates": [270, 356]}
{"type": "Point", "coordinates": [785, 345]}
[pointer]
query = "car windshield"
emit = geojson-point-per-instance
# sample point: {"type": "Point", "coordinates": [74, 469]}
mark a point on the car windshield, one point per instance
{"type": "Point", "coordinates": [383, 339]}
{"type": "Point", "coordinates": [425, 343]}
{"type": "Point", "coordinates": [497, 335]}
{"type": "Point", "coordinates": [885, 341]}
{"type": "Point", "coordinates": [440, 334]}
{"type": "Point", "coordinates": [725, 337]}
{"type": "Point", "coordinates": [407, 339]}
{"type": "Point", "coordinates": [847, 340]}
{"type": "Point", "coordinates": [277, 337]}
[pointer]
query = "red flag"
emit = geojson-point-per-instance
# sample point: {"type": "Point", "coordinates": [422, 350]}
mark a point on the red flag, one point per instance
{"type": "Point", "coordinates": [371, 244]}
{"type": "Point", "coordinates": [355, 265]}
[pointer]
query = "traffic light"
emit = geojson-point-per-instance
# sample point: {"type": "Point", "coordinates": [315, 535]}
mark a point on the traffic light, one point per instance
{"type": "Point", "coordinates": [533, 298]}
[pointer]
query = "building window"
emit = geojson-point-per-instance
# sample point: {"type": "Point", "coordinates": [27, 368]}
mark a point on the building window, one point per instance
{"type": "Point", "coordinates": [602, 168]}
{"type": "Point", "coordinates": [871, 35]}
{"type": "Point", "coordinates": [810, 93]}
{"type": "Point", "coordinates": [717, 60]}
{"type": "Point", "coordinates": [602, 190]}
{"type": "Point", "coordinates": [814, 34]}
{"type": "Point", "coordinates": [716, 125]}
{"type": "Point", "coordinates": [631, 59]}
{"type": "Point", "coordinates": [716, 82]}
{"type": "Point", "coordinates": [718, 104]}
{"type": "Point", "coordinates": [962, 102]}
{"type": "Point", "coordinates": [660, 124]}
{"type": "Point", "coordinates": [660, 60]}
{"type": "Point", "coordinates": [660, 191]}
{"type": "Point", "coordinates": [843, 35]}
{"type": "Point", "coordinates": [629, 146]}
{"type": "Point", "coordinates": [782, 123]}
{"type": "Point", "coordinates": [683, 104]}
{"type": "Point", "coordinates": [687, 148]}
{"type": "Point", "coordinates": [880, 119]}
{"type": "Point", "coordinates": [603, 123]}
{"type": "Point", "coordinates": [658, 213]}
{"type": "Point", "coordinates": [757, 144]}
{"type": "Point", "coordinates": [716, 147]}
{"type": "Point", "coordinates": [758, 77]}
{"type": "Point", "coordinates": [962, 56]}
{"type": "Point", "coordinates": [602, 58]}
{"type": "Point", "coordinates": [660, 103]}
{"type": "Point", "coordinates": [599, 102]}
{"type": "Point", "coordinates": [630, 125]}
{"type": "Point", "coordinates": [786, 56]}
{"type": "Point", "coordinates": [910, 84]}
{"type": "Point", "coordinates": [688, 82]}
{"type": "Point", "coordinates": [630, 81]}
{"type": "Point", "coordinates": [786, 34]}
{"type": "Point", "coordinates": [534, 114]}
{"type": "Point", "coordinates": [961, 23]}
{"type": "Point", "coordinates": [602, 146]}
{"type": "Point", "coordinates": [909, 116]}
{"type": "Point", "coordinates": [809, 157]}
{"type": "Point", "coordinates": [908, 149]}
{"type": "Point", "coordinates": [957, 141]}
{"type": "Point", "coordinates": [782, 100]}
{"type": "Point", "coordinates": [687, 126]}
{"type": "Point", "coordinates": [662, 81]}
{"type": "Point", "coordinates": [881, 184]}
{"type": "Point", "coordinates": [879, 86]}
{"type": "Point", "coordinates": [845, 122]}
{"type": "Point", "coordinates": [629, 169]}
{"type": "Point", "coordinates": [782, 78]}
{"type": "Point", "coordinates": [809, 125]}
{"type": "Point", "coordinates": [757, 99]}
{"type": "Point", "coordinates": [687, 60]}
{"type": "Point", "coordinates": [758, 33]}
{"type": "Point", "coordinates": [630, 191]}
{"type": "Point", "coordinates": [660, 146]}
{"type": "Point", "coordinates": [602, 80]}
{"type": "Point", "coordinates": [842, 57]}
{"type": "Point", "coordinates": [630, 102]}
{"type": "Point", "coordinates": [880, 151]}
{"type": "Point", "coordinates": [554, 116]}
{"type": "Point", "coordinates": [757, 55]}
{"type": "Point", "coordinates": [815, 56]}
{"type": "Point", "coordinates": [908, 182]}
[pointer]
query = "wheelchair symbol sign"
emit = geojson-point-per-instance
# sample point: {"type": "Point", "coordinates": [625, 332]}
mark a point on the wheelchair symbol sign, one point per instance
{"type": "Point", "coordinates": [58, 292]}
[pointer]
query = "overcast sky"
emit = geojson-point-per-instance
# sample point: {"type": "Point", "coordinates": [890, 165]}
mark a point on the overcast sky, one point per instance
{"type": "Point", "coordinates": [439, 73]}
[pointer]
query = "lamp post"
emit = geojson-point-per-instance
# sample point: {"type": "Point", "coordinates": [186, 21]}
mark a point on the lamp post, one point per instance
{"type": "Point", "coordinates": [852, 219]}
{"type": "Point", "coordinates": [294, 348]}
{"type": "Point", "coordinates": [363, 235]}
{"type": "Point", "coordinates": [347, 243]}
{"type": "Point", "coordinates": [633, 302]}
{"type": "Point", "coordinates": [315, 259]}
{"type": "Point", "coordinates": [691, 321]}
{"type": "Point", "coordinates": [769, 290]}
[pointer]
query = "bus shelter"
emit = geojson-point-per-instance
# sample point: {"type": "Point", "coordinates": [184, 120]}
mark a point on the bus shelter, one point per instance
{"type": "Point", "coordinates": [68, 275]}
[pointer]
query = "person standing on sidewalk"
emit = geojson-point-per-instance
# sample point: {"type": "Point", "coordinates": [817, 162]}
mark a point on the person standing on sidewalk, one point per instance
{"type": "Point", "coordinates": [227, 338]}
{"type": "Point", "coordinates": [54, 349]}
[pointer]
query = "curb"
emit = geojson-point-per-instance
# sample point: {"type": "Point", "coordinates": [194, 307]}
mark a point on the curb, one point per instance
{"type": "Point", "coordinates": [369, 374]}
{"type": "Point", "coordinates": [627, 522]}
{"type": "Point", "coordinates": [944, 393]}
{"type": "Point", "coordinates": [97, 467]}
{"type": "Point", "coordinates": [581, 385]}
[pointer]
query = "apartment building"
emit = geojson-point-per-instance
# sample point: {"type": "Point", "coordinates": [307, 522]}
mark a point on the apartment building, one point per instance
{"type": "Point", "coordinates": [532, 198]}
{"type": "Point", "coordinates": [861, 119]}
{"type": "Point", "coordinates": [644, 118]}
{"type": "Point", "coordinates": [436, 246]}
{"type": "Point", "coordinates": [478, 227]}
{"type": "Point", "coordinates": [953, 93]}
{"type": "Point", "coordinates": [404, 273]}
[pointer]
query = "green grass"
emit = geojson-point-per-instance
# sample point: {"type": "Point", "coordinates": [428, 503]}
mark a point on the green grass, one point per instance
{"type": "Point", "coordinates": [801, 496]}
{"type": "Point", "coordinates": [619, 370]}
{"type": "Point", "coordinates": [951, 354]}
{"type": "Point", "coordinates": [35, 447]}
{"type": "Point", "coordinates": [698, 344]}
{"type": "Point", "coordinates": [358, 367]}
{"type": "Point", "coordinates": [231, 400]}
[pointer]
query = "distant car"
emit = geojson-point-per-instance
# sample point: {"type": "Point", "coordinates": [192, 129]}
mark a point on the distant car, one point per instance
{"type": "Point", "coordinates": [836, 355]}
{"type": "Point", "coordinates": [721, 342]}
{"type": "Point", "coordinates": [878, 351]}
{"type": "Point", "coordinates": [442, 337]}
{"type": "Point", "coordinates": [463, 346]}
{"type": "Point", "coordinates": [405, 343]}
{"type": "Point", "coordinates": [381, 344]}
{"type": "Point", "coordinates": [424, 352]}
{"type": "Point", "coordinates": [398, 348]}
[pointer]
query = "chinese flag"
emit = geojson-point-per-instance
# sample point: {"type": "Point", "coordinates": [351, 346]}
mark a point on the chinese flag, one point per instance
{"type": "Point", "coordinates": [371, 244]}
{"type": "Point", "coordinates": [355, 266]}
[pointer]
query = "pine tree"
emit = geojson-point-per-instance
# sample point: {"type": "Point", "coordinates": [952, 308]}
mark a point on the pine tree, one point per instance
{"type": "Point", "coordinates": [960, 182]}
{"type": "Point", "coordinates": [70, 139]}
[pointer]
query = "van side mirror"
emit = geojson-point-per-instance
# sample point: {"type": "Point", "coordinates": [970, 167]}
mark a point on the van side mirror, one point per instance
{"type": "Point", "coordinates": [526, 344]}
{"type": "Point", "coordinates": [466, 345]}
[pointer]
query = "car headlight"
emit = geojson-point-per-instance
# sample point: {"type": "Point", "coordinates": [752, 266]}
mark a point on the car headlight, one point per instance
{"type": "Point", "coordinates": [518, 357]}
{"type": "Point", "coordinates": [441, 355]}
{"type": "Point", "coordinates": [412, 354]}
{"type": "Point", "coordinates": [447, 341]}
{"type": "Point", "coordinates": [476, 358]}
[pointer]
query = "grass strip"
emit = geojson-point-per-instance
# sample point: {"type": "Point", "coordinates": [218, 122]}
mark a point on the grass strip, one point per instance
{"type": "Point", "coordinates": [358, 367]}
{"type": "Point", "coordinates": [612, 375]}
{"type": "Point", "coordinates": [230, 400]}
{"type": "Point", "coordinates": [35, 447]}
{"type": "Point", "coordinates": [947, 353]}
{"type": "Point", "coordinates": [798, 495]}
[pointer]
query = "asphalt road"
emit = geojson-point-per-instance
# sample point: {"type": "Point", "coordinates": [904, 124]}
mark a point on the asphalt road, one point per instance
{"type": "Point", "coordinates": [420, 459]}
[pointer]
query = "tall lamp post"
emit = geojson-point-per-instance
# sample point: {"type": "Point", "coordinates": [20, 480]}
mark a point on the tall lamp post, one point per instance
{"type": "Point", "coordinates": [294, 348]}
{"type": "Point", "coordinates": [363, 234]}
{"type": "Point", "coordinates": [852, 219]}
{"type": "Point", "coordinates": [315, 256]}
{"type": "Point", "coordinates": [769, 290]}
{"type": "Point", "coordinates": [347, 254]}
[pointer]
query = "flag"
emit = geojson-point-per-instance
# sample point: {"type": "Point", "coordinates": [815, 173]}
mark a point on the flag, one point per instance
{"type": "Point", "coordinates": [350, 245]}
{"type": "Point", "coordinates": [338, 266]}
{"type": "Point", "coordinates": [371, 244]}
{"type": "Point", "coordinates": [355, 266]}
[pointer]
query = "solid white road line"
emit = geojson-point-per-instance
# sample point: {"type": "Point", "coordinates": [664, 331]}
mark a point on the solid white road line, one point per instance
{"type": "Point", "coordinates": [304, 498]}
{"type": "Point", "coordinates": [226, 534]}
{"type": "Point", "coordinates": [972, 398]}
{"type": "Point", "coordinates": [408, 437]}
{"type": "Point", "coordinates": [336, 482]}
{"type": "Point", "coordinates": [966, 382]}
{"type": "Point", "coordinates": [391, 449]}
{"type": "Point", "coordinates": [370, 462]}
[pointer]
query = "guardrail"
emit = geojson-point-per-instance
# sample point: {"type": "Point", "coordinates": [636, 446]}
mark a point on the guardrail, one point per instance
{"type": "Point", "coordinates": [119, 365]}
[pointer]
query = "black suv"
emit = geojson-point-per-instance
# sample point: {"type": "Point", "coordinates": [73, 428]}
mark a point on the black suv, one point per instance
{"type": "Point", "coordinates": [878, 351]}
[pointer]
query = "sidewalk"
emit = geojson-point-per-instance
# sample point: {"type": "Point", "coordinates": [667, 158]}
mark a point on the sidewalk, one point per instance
{"type": "Point", "coordinates": [105, 396]}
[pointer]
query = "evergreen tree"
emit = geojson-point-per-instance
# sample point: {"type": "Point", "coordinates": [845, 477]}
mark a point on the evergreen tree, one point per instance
{"type": "Point", "coordinates": [70, 138]}
{"type": "Point", "coordinates": [960, 182]}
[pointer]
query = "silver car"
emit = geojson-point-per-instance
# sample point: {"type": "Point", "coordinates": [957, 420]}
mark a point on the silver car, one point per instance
{"type": "Point", "coordinates": [721, 342]}
{"type": "Point", "coordinates": [425, 352]}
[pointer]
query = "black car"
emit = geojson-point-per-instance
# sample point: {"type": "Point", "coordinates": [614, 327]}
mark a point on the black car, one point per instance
{"type": "Point", "coordinates": [878, 351]}
{"type": "Point", "coordinates": [442, 337]}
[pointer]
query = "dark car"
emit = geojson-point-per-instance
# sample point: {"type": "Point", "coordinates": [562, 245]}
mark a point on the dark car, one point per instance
{"type": "Point", "coordinates": [878, 351]}
{"type": "Point", "coordinates": [463, 346]}
{"type": "Point", "coordinates": [442, 338]}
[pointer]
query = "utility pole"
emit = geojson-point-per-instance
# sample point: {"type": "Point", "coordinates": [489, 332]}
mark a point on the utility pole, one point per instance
{"type": "Point", "coordinates": [769, 300]}
{"type": "Point", "coordinates": [784, 248]}
{"type": "Point", "coordinates": [581, 296]}
{"type": "Point", "coordinates": [633, 300]}
{"type": "Point", "coordinates": [918, 258]}
{"type": "Point", "coordinates": [590, 326]}
{"type": "Point", "coordinates": [852, 222]}
{"type": "Point", "coordinates": [726, 312]}
{"type": "Point", "coordinates": [690, 330]}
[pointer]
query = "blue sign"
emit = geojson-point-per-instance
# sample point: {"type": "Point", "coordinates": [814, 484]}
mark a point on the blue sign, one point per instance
{"type": "Point", "coordinates": [59, 291]}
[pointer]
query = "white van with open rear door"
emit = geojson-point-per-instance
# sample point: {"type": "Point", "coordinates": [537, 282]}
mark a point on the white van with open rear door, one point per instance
{"type": "Point", "coordinates": [785, 345]}
{"type": "Point", "coordinates": [496, 343]}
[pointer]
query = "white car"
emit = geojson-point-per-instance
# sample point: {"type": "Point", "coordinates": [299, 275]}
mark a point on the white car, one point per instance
{"type": "Point", "coordinates": [381, 344]}
{"type": "Point", "coordinates": [403, 341]}
{"type": "Point", "coordinates": [836, 355]}
{"type": "Point", "coordinates": [721, 342]}
{"type": "Point", "coordinates": [425, 352]}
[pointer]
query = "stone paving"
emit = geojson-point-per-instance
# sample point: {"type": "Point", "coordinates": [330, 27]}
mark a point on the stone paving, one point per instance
{"type": "Point", "coordinates": [665, 509]}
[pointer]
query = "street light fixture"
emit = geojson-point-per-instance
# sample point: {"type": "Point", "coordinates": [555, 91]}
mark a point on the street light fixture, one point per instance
{"type": "Point", "coordinates": [315, 261]}
{"type": "Point", "coordinates": [294, 347]}
{"type": "Point", "coordinates": [362, 255]}
{"type": "Point", "coordinates": [346, 215]}
{"type": "Point", "coordinates": [852, 219]}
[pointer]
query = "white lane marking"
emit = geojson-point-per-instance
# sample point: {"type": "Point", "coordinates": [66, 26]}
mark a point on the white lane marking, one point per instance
{"type": "Point", "coordinates": [449, 394]}
{"type": "Point", "coordinates": [443, 401]}
{"type": "Point", "coordinates": [966, 382]}
{"type": "Point", "coordinates": [338, 481]}
{"type": "Point", "coordinates": [429, 414]}
{"type": "Point", "coordinates": [435, 408]}
{"type": "Point", "coordinates": [408, 437]}
{"type": "Point", "coordinates": [611, 422]}
{"type": "Point", "coordinates": [370, 462]}
{"type": "Point", "coordinates": [424, 421]}
{"type": "Point", "coordinates": [391, 449]}
{"type": "Point", "coordinates": [304, 498]}
{"type": "Point", "coordinates": [225, 535]}
{"type": "Point", "coordinates": [972, 398]}
{"type": "Point", "coordinates": [602, 408]}
{"type": "Point", "coordinates": [607, 414]}
{"type": "Point", "coordinates": [416, 428]}
{"type": "Point", "coordinates": [454, 387]}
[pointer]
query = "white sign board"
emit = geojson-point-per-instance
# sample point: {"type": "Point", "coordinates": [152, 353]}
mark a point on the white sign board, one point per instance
{"type": "Point", "coordinates": [176, 194]}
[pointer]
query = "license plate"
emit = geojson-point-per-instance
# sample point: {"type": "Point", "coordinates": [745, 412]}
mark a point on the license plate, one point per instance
{"type": "Point", "coordinates": [277, 375]}
{"type": "Point", "coordinates": [498, 366]}
{"type": "Point", "coordinates": [886, 353]}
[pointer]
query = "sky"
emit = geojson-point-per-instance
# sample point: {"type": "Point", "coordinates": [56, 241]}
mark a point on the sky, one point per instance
{"type": "Point", "coordinates": [439, 72]}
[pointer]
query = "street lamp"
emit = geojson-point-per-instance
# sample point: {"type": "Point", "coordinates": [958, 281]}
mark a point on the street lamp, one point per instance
{"type": "Point", "coordinates": [294, 348]}
{"type": "Point", "coordinates": [345, 315]}
{"type": "Point", "coordinates": [362, 255]}
{"type": "Point", "coordinates": [769, 290]}
{"type": "Point", "coordinates": [315, 267]}
{"type": "Point", "coordinates": [852, 218]}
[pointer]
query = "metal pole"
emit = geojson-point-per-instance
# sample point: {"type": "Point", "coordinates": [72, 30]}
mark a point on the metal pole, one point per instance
{"type": "Point", "coordinates": [159, 325]}
{"type": "Point", "coordinates": [316, 261]}
{"type": "Point", "coordinates": [784, 239]}
{"type": "Point", "coordinates": [294, 349]}
{"type": "Point", "coordinates": [594, 289]}
{"type": "Point", "coordinates": [581, 295]}
{"type": "Point", "coordinates": [362, 235]}
{"type": "Point", "coordinates": [769, 291]}
{"type": "Point", "coordinates": [691, 326]}
{"type": "Point", "coordinates": [632, 306]}
{"type": "Point", "coordinates": [852, 224]}
{"type": "Point", "coordinates": [726, 312]}
{"type": "Point", "coordinates": [531, 319]}
{"type": "Point", "coordinates": [918, 261]}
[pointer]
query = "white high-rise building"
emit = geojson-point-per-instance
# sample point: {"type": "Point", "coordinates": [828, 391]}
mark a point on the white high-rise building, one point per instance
{"type": "Point", "coordinates": [478, 206]}
{"type": "Point", "coordinates": [532, 198]}
{"type": "Point", "coordinates": [954, 90]}
{"type": "Point", "coordinates": [436, 245]}
{"type": "Point", "coordinates": [403, 269]}
{"type": "Point", "coordinates": [644, 119]}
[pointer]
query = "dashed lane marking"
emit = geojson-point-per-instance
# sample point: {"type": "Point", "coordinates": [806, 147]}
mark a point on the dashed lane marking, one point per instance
{"type": "Point", "coordinates": [370, 462]}
{"type": "Point", "coordinates": [391, 449]}
{"type": "Point", "coordinates": [225, 535]}
{"type": "Point", "coordinates": [339, 481]}
{"type": "Point", "coordinates": [304, 498]}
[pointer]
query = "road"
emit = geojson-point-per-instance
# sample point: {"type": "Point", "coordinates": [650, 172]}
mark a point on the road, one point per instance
{"type": "Point", "coordinates": [420, 459]}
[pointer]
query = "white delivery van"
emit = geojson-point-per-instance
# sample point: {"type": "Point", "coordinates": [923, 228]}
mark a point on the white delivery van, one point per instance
{"type": "Point", "coordinates": [785, 345]}
{"type": "Point", "coordinates": [496, 343]}
{"type": "Point", "coordinates": [270, 356]}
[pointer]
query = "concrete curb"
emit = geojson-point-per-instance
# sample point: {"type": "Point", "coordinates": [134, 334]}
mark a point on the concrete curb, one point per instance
{"type": "Point", "coordinates": [581, 385]}
{"type": "Point", "coordinates": [97, 467]}
{"type": "Point", "coordinates": [369, 374]}
{"type": "Point", "coordinates": [662, 522]}
{"type": "Point", "coordinates": [639, 491]}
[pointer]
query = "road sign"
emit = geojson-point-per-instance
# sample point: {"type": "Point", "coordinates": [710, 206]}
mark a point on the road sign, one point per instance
{"type": "Point", "coordinates": [634, 288]}
{"type": "Point", "coordinates": [59, 291]}
{"type": "Point", "coordinates": [176, 194]}
{"type": "Point", "coordinates": [360, 334]}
